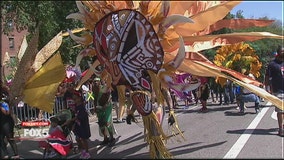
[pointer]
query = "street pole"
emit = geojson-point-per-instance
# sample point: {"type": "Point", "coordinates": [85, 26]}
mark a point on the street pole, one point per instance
{"type": "Point", "coordinates": [1, 82]}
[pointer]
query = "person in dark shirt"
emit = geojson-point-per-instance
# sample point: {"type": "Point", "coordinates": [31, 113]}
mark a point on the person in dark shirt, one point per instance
{"type": "Point", "coordinates": [276, 81]}
{"type": "Point", "coordinates": [6, 126]}
{"type": "Point", "coordinates": [204, 91]}
{"type": "Point", "coordinates": [82, 126]}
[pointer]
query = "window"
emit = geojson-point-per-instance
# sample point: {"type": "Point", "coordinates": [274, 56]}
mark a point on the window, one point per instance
{"type": "Point", "coordinates": [11, 43]}
{"type": "Point", "coordinates": [10, 25]}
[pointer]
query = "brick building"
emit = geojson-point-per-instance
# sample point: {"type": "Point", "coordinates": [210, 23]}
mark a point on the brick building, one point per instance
{"type": "Point", "coordinates": [10, 45]}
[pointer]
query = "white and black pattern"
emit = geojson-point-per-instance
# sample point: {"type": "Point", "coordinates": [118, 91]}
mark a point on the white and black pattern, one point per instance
{"type": "Point", "coordinates": [127, 39]}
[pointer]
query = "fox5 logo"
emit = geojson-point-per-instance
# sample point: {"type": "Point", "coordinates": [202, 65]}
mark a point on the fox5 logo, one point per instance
{"type": "Point", "coordinates": [35, 132]}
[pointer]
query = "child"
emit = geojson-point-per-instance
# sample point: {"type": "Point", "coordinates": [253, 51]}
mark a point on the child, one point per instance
{"type": "Point", "coordinates": [82, 125]}
{"type": "Point", "coordinates": [56, 140]}
{"type": "Point", "coordinates": [54, 125]}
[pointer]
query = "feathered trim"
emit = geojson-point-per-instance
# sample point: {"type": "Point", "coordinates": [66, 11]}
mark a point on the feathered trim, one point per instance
{"type": "Point", "coordinates": [155, 137]}
{"type": "Point", "coordinates": [175, 130]}
{"type": "Point", "coordinates": [157, 87]}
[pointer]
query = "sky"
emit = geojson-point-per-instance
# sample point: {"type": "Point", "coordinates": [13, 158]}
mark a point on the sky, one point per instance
{"type": "Point", "coordinates": [255, 9]}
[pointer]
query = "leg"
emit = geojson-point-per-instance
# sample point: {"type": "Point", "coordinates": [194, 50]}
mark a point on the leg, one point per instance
{"type": "Point", "coordinates": [242, 104]}
{"type": "Point", "coordinates": [203, 103]}
{"type": "Point", "coordinates": [116, 106]}
{"type": "Point", "coordinates": [212, 95]}
{"type": "Point", "coordinates": [121, 101]}
{"type": "Point", "coordinates": [257, 101]}
{"type": "Point", "coordinates": [8, 132]}
{"type": "Point", "coordinates": [4, 151]}
{"type": "Point", "coordinates": [153, 130]}
{"type": "Point", "coordinates": [85, 144]}
{"type": "Point", "coordinates": [280, 117]}
{"type": "Point", "coordinates": [85, 149]}
{"type": "Point", "coordinates": [79, 143]}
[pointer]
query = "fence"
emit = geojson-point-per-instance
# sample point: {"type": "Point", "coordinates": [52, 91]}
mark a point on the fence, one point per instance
{"type": "Point", "coordinates": [24, 112]}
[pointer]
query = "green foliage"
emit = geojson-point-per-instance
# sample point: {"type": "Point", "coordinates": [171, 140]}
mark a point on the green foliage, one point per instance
{"type": "Point", "coordinates": [12, 64]}
{"type": "Point", "coordinates": [49, 16]}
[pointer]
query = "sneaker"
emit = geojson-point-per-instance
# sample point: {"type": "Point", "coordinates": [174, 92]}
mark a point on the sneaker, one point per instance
{"type": "Point", "coordinates": [15, 157]}
{"type": "Point", "coordinates": [111, 142]}
{"type": "Point", "coordinates": [83, 152]}
{"type": "Point", "coordinates": [185, 107]}
{"type": "Point", "coordinates": [119, 121]}
{"type": "Point", "coordinates": [257, 110]}
{"type": "Point", "coordinates": [86, 155]}
{"type": "Point", "coordinates": [129, 118]}
{"type": "Point", "coordinates": [6, 157]}
{"type": "Point", "coordinates": [52, 154]}
{"type": "Point", "coordinates": [105, 142]}
{"type": "Point", "coordinates": [203, 110]}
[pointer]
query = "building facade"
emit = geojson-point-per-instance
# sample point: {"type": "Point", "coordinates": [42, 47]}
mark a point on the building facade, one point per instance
{"type": "Point", "coordinates": [10, 46]}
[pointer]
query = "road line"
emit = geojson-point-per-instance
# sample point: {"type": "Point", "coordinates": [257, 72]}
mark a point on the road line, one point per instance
{"type": "Point", "coordinates": [240, 143]}
{"type": "Point", "coordinates": [274, 115]}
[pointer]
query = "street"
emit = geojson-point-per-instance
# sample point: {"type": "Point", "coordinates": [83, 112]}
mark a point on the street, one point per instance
{"type": "Point", "coordinates": [219, 133]}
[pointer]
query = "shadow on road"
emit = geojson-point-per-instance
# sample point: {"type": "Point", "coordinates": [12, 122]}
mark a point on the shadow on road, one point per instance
{"type": "Point", "coordinates": [107, 152]}
{"type": "Point", "coordinates": [193, 149]}
{"type": "Point", "coordinates": [271, 131]}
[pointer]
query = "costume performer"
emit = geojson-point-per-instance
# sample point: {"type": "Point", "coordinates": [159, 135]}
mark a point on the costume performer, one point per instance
{"type": "Point", "coordinates": [103, 108]}
{"type": "Point", "coordinates": [130, 40]}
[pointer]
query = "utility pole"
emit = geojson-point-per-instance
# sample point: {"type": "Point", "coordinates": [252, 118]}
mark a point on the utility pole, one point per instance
{"type": "Point", "coordinates": [1, 68]}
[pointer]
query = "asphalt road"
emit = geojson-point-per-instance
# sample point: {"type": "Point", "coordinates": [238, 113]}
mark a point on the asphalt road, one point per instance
{"type": "Point", "coordinates": [220, 133]}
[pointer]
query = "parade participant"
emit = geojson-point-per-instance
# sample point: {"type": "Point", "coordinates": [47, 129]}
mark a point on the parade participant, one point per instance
{"type": "Point", "coordinates": [276, 78]}
{"type": "Point", "coordinates": [68, 102]}
{"type": "Point", "coordinates": [82, 125]}
{"type": "Point", "coordinates": [103, 108]}
{"type": "Point", "coordinates": [119, 103]}
{"type": "Point", "coordinates": [248, 96]}
{"type": "Point", "coordinates": [204, 95]}
{"type": "Point", "coordinates": [130, 44]}
{"type": "Point", "coordinates": [7, 126]}
{"type": "Point", "coordinates": [54, 127]}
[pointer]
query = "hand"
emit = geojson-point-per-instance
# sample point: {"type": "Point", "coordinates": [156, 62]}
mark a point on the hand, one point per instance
{"type": "Point", "coordinates": [99, 107]}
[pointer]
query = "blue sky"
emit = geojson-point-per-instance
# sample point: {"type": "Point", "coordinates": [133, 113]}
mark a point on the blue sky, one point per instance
{"type": "Point", "coordinates": [256, 9]}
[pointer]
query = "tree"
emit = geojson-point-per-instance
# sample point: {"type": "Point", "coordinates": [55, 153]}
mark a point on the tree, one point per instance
{"type": "Point", "coordinates": [239, 14]}
{"type": "Point", "coordinates": [49, 16]}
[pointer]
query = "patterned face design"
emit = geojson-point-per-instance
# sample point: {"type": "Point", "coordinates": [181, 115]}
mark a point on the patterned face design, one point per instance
{"type": "Point", "coordinates": [128, 46]}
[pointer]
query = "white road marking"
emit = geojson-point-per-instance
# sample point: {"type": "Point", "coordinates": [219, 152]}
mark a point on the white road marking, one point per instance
{"type": "Point", "coordinates": [274, 115]}
{"type": "Point", "coordinates": [35, 151]}
{"type": "Point", "coordinates": [190, 108]}
{"type": "Point", "coordinates": [240, 143]}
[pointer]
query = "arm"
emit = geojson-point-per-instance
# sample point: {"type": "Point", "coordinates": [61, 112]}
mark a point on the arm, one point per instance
{"type": "Point", "coordinates": [5, 108]}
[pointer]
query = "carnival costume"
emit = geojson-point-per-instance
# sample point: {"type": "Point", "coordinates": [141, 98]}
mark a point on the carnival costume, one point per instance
{"type": "Point", "coordinates": [104, 110]}
{"type": "Point", "coordinates": [130, 39]}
